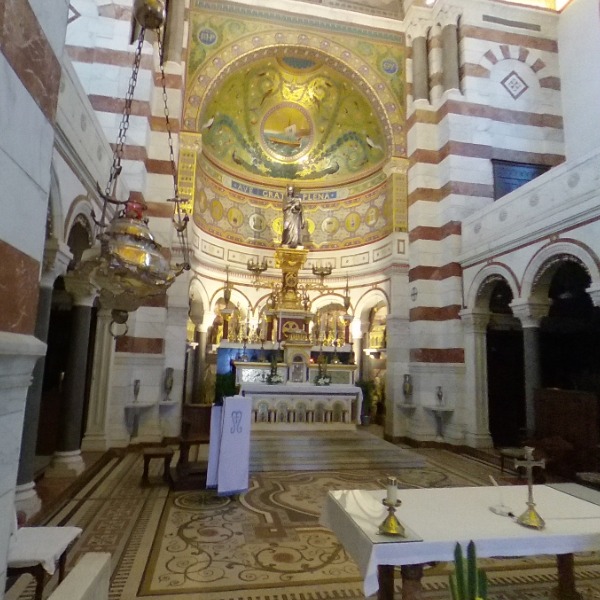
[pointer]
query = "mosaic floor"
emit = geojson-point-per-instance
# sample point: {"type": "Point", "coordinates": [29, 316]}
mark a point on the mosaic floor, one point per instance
{"type": "Point", "coordinates": [265, 544]}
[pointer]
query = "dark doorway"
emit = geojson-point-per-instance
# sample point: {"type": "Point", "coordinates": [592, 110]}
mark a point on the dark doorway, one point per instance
{"type": "Point", "coordinates": [506, 386]}
{"type": "Point", "coordinates": [570, 346]}
{"type": "Point", "coordinates": [59, 332]}
{"type": "Point", "coordinates": [506, 379]}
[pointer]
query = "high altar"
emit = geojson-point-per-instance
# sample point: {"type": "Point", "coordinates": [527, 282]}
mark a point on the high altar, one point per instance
{"type": "Point", "coordinates": [294, 390]}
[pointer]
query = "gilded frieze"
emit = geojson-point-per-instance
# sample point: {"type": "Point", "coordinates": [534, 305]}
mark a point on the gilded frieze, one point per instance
{"type": "Point", "coordinates": [253, 215]}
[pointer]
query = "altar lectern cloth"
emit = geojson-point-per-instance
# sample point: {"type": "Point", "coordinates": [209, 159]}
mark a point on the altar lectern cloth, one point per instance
{"type": "Point", "coordinates": [232, 447]}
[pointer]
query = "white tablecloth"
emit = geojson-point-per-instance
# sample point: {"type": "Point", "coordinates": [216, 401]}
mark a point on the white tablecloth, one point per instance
{"type": "Point", "coordinates": [29, 546]}
{"type": "Point", "coordinates": [443, 516]}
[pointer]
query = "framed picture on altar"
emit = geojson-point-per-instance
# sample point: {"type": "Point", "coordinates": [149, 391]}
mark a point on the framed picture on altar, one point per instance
{"type": "Point", "coordinates": [298, 370]}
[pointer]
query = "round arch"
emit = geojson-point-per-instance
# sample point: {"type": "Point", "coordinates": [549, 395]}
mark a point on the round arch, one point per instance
{"type": "Point", "coordinates": [481, 288]}
{"type": "Point", "coordinates": [542, 267]}
{"type": "Point", "coordinates": [367, 301]}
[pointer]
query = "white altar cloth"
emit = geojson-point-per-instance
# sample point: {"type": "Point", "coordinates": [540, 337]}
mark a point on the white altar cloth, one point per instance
{"type": "Point", "coordinates": [443, 516]}
{"type": "Point", "coordinates": [301, 388]}
{"type": "Point", "coordinates": [30, 546]}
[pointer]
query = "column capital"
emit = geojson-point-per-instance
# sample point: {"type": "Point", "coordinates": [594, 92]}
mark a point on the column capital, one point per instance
{"type": "Point", "coordinates": [449, 15]}
{"type": "Point", "coordinates": [530, 311]}
{"type": "Point", "coordinates": [474, 321]}
{"type": "Point", "coordinates": [396, 165]}
{"type": "Point", "coordinates": [57, 257]}
{"type": "Point", "coordinates": [594, 292]}
{"type": "Point", "coordinates": [83, 292]}
{"type": "Point", "coordinates": [418, 26]}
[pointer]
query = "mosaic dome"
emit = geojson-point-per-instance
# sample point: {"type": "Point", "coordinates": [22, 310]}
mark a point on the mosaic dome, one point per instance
{"type": "Point", "coordinates": [290, 117]}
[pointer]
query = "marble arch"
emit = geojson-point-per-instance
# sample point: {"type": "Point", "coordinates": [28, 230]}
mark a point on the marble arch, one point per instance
{"type": "Point", "coordinates": [541, 268]}
{"type": "Point", "coordinates": [479, 292]}
{"type": "Point", "coordinates": [327, 299]}
{"type": "Point", "coordinates": [80, 211]}
{"type": "Point", "coordinates": [367, 301]}
{"type": "Point", "coordinates": [198, 298]}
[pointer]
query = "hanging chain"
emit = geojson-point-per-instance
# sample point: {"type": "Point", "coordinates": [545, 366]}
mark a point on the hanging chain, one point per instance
{"type": "Point", "coordinates": [180, 220]}
{"type": "Point", "coordinates": [163, 81]}
{"type": "Point", "coordinates": [115, 169]}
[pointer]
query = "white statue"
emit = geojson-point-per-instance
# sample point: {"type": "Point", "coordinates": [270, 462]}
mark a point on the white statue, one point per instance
{"type": "Point", "coordinates": [293, 219]}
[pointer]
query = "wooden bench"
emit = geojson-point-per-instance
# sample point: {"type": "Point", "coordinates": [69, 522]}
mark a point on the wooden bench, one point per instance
{"type": "Point", "coordinates": [157, 452]}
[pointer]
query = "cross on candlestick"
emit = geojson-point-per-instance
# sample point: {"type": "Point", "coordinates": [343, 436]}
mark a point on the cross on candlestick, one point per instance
{"type": "Point", "coordinates": [530, 518]}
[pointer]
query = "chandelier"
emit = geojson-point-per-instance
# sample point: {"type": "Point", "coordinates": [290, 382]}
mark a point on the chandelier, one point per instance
{"type": "Point", "coordinates": [128, 265]}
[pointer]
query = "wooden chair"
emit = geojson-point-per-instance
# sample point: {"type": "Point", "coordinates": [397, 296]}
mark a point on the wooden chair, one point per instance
{"type": "Point", "coordinates": [195, 431]}
{"type": "Point", "coordinates": [163, 452]}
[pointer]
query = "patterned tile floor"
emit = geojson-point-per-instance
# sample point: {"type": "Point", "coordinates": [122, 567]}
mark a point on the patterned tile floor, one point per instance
{"type": "Point", "coordinates": [265, 544]}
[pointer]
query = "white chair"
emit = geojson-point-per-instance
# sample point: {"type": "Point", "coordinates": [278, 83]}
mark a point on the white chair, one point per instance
{"type": "Point", "coordinates": [38, 551]}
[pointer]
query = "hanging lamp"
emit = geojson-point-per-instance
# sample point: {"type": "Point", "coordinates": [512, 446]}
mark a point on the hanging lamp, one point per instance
{"type": "Point", "coordinates": [128, 266]}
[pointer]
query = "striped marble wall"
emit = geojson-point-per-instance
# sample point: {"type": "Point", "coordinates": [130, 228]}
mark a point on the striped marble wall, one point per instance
{"type": "Point", "coordinates": [506, 106]}
{"type": "Point", "coordinates": [31, 46]}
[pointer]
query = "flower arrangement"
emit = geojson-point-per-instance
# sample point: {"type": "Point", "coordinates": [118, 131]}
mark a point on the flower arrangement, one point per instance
{"type": "Point", "coordinates": [274, 377]}
{"type": "Point", "coordinates": [322, 377]}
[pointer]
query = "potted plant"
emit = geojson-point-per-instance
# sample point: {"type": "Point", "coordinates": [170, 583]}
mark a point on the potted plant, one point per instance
{"type": "Point", "coordinates": [467, 582]}
{"type": "Point", "coordinates": [274, 377]}
{"type": "Point", "coordinates": [368, 391]}
{"type": "Point", "coordinates": [225, 386]}
{"type": "Point", "coordinates": [322, 378]}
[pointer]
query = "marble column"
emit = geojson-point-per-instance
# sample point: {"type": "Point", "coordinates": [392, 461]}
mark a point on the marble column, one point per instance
{"type": "Point", "coordinates": [357, 347]}
{"type": "Point", "coordinates": [197, 316]}
{"type": "Point", "coordinates": [420, 69]}
{"type": "Point", "coordinates": [398, 358]}
{"type": "Point", "coordinates": [530, 312]}
{"type": "Point", "coordinates": [477, 433]}
{"type": "Point", "coordinates": [67, 460]}
{"type": "Point", "coordinates": [96, 434]}
{"type": "Point", "coordinates": [450, 72]}
{"type": "Point", "coordinates": [56, 260]}
{"type": "Point", "coordinates": [174, 31]}
{"type": "Point", "coordinates": [201, 359]}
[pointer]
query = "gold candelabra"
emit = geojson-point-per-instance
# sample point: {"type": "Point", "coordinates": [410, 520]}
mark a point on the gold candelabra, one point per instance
{"type": "Point", "coordinates": [257, 268]}
{"type": "Point", "coordinates": [321, 272]}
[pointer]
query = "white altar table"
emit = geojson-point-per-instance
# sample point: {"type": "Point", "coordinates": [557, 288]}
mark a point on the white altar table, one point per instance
{"type": "Point", "coordinates": [303, 406]}
{"type": "Point", "coordinates": [437, 518]}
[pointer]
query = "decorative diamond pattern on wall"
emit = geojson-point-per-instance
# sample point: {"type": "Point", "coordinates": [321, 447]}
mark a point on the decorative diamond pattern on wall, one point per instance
{"type": "Point", "coordinates": [514, 85]}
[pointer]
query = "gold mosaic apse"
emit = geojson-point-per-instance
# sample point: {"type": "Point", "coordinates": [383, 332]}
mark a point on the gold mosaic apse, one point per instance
{"type": "Point", "coordinates": [292, 118]}
{"type": "Point", "coordinates": [316, 104]}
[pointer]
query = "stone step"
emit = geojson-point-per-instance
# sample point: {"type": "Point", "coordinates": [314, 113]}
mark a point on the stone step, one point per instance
{"type": "Point", "coordinates": [327, 451]}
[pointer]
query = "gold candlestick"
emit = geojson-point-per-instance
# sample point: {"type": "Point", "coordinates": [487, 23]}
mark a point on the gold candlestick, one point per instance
{"type": "Point", "coordinates": [390, 525]}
